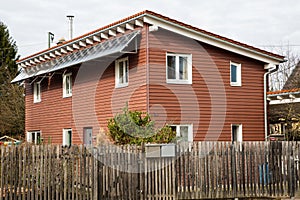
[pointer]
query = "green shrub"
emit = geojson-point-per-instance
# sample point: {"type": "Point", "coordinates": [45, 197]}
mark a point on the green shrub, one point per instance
{"type": "Point", "coordinates": [135, 127]}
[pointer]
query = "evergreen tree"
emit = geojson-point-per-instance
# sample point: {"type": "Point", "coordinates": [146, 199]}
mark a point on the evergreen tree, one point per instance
{"type": "Point", "coordinates": [11, 95]}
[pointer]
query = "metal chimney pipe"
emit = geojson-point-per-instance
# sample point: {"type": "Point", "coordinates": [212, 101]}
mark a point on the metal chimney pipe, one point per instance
{"type": "Point", "coordinates": [50, 39]}
{"type": "Point", "coordinates": [70, 17]}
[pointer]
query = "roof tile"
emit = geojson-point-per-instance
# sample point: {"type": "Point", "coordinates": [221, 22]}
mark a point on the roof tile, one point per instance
{"type": "Point", "coordinates": [283, 91]}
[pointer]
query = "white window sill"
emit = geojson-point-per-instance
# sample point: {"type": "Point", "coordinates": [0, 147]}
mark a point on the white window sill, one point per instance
{"type": "Point", "coordinates": [121, 85]}
{"type": "Point", "coordinates": [236, 84]}
{"type": "Point", "coordinates": [179, 82]}
{"type": "Point", "coordinates": [67, 96]}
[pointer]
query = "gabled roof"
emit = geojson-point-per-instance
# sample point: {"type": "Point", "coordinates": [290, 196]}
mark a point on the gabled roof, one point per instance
{"type": "Point", "coordinates": [291, 81]}
{"type": "Point", "coordinates": [154, 19]}
{"type": "Point", "coordinates": [290, 85]}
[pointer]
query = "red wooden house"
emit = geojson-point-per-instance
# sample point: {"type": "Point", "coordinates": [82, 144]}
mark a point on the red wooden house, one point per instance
{"type": "Point", "coordinates": [206, 86]}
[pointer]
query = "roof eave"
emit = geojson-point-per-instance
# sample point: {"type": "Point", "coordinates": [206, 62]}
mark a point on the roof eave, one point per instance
{"type": "Point", "coordinates": [160, 21]}
{"type": "Point", "coordinates": [284, 93]}
{"type": "Point", "coordinates": [152, 19]}
{"type": "Point", "coordinates": [81, 38]}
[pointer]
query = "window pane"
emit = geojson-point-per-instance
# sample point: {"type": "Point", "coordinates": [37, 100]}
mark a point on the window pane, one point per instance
{"type": "Point", "coordinates": [171, 62]}
{"type": "Point", "coordinates": [184, 132]}
{"type": "Point", "coordinates": [121, 73]}
{"type": "Point", "coordinates": [29, 136]}
{"type": "Point", "coordinates": [234, 132]}
{"type": "Point", "coordinates": [70, 84]}
{"type": "Point", "coordinates": [173, 128]}
{"type": "Point", "coordinates": [33, 137]}
{"type": "Point", "coordinates": [38, 138]}
{"type": "Point", "coordinates": [67, 84]}
{"type": "Point", "coordinates": [183, 68]}
{"type": "Point", "coordinates": [38, 91]}
{"type": "Point", "coordinates": [126, 71]}
{"type": "Point", "coordinates": [69, 137]}
{"type": "Point", "coordinates": [233, 73]}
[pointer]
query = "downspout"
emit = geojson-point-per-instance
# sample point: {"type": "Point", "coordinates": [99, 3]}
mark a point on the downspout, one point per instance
{"type": "Point", "coordinates": [147, 69]}
{"type": "Point", "coordinates": [270, 70]}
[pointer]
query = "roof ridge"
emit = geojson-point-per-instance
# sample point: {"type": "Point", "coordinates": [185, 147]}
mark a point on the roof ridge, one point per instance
{"type": "Point", "coordinates": [149, 12]}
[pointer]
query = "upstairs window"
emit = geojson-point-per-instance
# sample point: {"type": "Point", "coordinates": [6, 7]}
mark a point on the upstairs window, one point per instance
{"type": "Point", "coordinates": [179, 68]}
{"type": "Point", "coordinates": [235, 74]}
{"type": "Point", "coordinates": [121, 72]}
{"type": "Point", "coordinates": [37, 92]}
{"type": "Point", "coordinates": [67, 85]}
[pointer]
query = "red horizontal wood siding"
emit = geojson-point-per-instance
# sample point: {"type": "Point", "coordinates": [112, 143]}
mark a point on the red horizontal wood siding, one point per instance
{"type": "Point", "coordinates": [209, 103]}
{"type": "Point", "coordinates": [210, 100]}
{"type": "Point", "coordinates": [94, 97]}
{"type": "Point", "coordinates": [53, 113]}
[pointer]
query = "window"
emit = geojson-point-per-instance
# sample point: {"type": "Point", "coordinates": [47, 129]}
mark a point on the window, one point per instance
{"type": "Point", "coordinates": [67, 137]}
{"type": "Point", "coordinates": [236, 133]}
{"type": "Point", "coordinates": [179, 68]}
{"type": "Point", "coordinates": [235, 74]}
{"type": "Point", "coordinates": [88, 136]}
{"type": "Point", "coordinates": [36, 92]}
{"type": "Point", "coordinates": [67, 85]}
{"type": "Point", "coordinates": [34, 137]}
{"type": "Point", "coordinates": [184, 132]}
{"type": "Point", "coordinates": [121, 72]}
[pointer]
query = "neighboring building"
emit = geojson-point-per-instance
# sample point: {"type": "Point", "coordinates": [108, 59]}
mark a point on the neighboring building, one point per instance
{"type": "Point", "coordinates": [284, 108]}
{"type": "Point", "coordinates": [207, 86]}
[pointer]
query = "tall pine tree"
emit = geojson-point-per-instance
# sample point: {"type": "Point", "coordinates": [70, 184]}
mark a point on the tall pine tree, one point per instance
{"type": "Point", "coordinates": [11, 95]}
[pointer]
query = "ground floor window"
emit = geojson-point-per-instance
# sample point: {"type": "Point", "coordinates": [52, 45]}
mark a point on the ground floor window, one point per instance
{"type": "Point", "coordinates": [34, 137]}
{"type": "Point", "coordinates": [67, 137]}
{"type": "Point", "coordinates": [88, 135]}
{"type": "Point", "coordinates": [184, 132]}
{"type": "Point", "coordinates": [236, 133]}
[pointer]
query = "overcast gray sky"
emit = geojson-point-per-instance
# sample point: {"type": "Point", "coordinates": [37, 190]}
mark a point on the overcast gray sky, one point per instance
{"type": "Point", "coordinates": [255, 22]}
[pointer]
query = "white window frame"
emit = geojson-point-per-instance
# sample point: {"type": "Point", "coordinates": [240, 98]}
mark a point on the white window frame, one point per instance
{"type": "Point", "coordinates": [177, 80]}
{"type": "Point", "coordinates": [190, 131]}
{"type": "Point", "coordinates": [84, 135]}
{"type": "Point", "coordinates": [67, 92]}
{"type": "Point", "coordinates": [238, 81]}
{"type": "Point", "coordinates": [125, 75]}
{"type": "Point", "coordinates": [37, 96]}
{"type": "Point", "coordinates": [239, 137]}
{"type": "Point", "coordinates": [34, 140]}
{"type": "Point", "coordinates": [66, 137]}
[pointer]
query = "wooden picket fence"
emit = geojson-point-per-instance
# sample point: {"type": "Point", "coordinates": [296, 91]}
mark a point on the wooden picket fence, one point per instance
{"type": "Point", "coordinates": [197, 170]}
{"type": "Point", "coordinates": [249, 169]}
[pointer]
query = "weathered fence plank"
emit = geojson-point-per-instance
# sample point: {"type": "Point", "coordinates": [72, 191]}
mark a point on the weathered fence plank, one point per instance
{"type": "Point", "coordinates": [199, 170]}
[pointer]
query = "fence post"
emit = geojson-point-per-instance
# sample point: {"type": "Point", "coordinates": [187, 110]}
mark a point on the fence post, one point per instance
{"type": "Point", "coordinates": [233, 168]}
{"type": "Point", "coordinates": [292, 171]}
